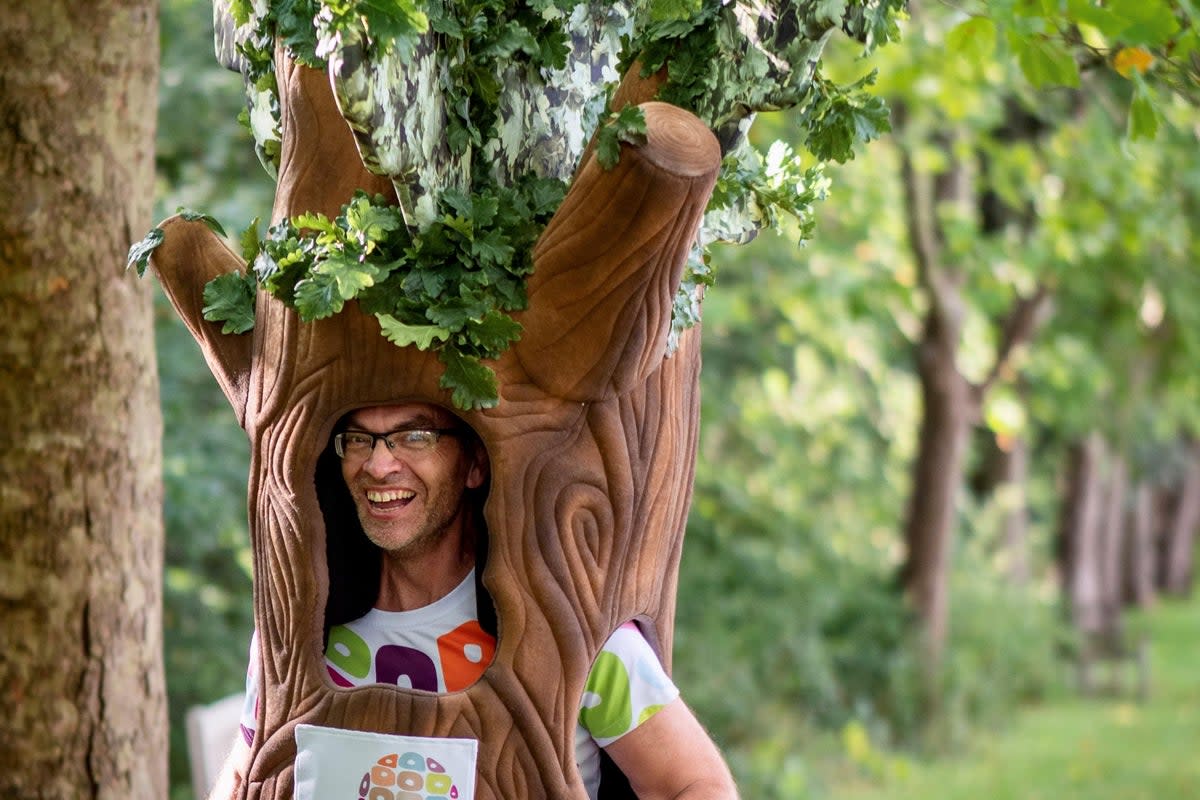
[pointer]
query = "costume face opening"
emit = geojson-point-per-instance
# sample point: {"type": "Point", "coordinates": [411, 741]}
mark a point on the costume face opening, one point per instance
{"type": "Point", "coordinates": [401, 482]}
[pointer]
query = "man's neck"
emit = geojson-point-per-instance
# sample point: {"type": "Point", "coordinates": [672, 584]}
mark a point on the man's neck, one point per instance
{"type": "Point", "coordinates": [411, 582]}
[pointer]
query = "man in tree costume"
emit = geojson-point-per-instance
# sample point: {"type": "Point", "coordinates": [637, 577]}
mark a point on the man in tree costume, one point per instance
{"type": "Point", "coordinates": [417, 171]}
{"type": "Point", "coordinates": [414, 476]}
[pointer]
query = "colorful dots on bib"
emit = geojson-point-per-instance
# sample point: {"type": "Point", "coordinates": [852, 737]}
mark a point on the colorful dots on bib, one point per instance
{"type": "Point", "coordinates": [407, 776]}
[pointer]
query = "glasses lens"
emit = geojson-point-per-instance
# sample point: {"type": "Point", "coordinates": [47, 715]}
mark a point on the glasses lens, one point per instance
{"type": "Point", "coordinates": [360, 444]}
{"type": "Point", "coordinates": [355, 445]}
{"type": "Point", "coordinates": [413, 440]}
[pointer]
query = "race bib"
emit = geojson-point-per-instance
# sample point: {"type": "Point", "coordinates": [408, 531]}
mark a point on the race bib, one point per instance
{"type": "Point", "coordinates": [332, 764]}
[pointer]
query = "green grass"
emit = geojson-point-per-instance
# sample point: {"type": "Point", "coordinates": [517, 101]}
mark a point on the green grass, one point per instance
{"type": "Point", "coordinates": [1076, 748]}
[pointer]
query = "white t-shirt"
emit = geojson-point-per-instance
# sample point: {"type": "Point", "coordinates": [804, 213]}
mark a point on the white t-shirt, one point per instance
{"type": "Point", "coordinates": [442, 648]}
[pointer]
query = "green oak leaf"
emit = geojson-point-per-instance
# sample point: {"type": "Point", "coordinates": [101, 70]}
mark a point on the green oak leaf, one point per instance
{"type": "Point", "coordinates": [402, 335]}
{"type": "Point", "coordinates": [845, 118]}
{"type": "Point", "coordinates": [628, 125]}
{"type": "Point", "coordinates": [139, 252]}
{"type": "Point", "coordinates": [473, 385]}
{"type": "Point", "coordinates": [372, 222]}
{"type": "Point", "coordinates": [395, 23]}
{"type": "Point", "coordinates": [251, 245]}
{"type": "Point", "coordinates": [315, 222]}
{"type": "Point", "coordinates": [829, 11]}
{"type": "Point", "coordinates": [294, 28]}
{"type": "Point", "coordinates": [350, 275]}
{"type": "Point", "coordinates": [196, 216]}
{"type": "Point", "coordinates": [546, 195]}
{"type": "Point", "coordinates": [426, 282]}
{"type": "Point", "coordinates": [229, 298]}
{"type": "Point", "coordinates": [317, 297]}
{"type": "Point", "coordinates": [494, 333]}
{"type": "Point", "coordinates": [240, 10]}
{"type": "Point", "coordinates": [456, 314]}
{"type": "Point", "coordinates": [492, 248]}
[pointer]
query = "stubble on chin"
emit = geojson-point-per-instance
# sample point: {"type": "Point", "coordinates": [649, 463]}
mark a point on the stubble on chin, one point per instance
{"type": "Point", "coordinates": [399, 541]}
{"type": "Point", "coordinates": [418, 544]}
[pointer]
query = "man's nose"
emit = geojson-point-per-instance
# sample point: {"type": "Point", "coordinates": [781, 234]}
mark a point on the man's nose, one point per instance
{"type": "Point", "coordinates": [382, 460]}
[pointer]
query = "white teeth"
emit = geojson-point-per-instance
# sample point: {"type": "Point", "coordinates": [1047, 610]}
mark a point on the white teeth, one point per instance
{"type": "Point", "coordinates": [388, 497]}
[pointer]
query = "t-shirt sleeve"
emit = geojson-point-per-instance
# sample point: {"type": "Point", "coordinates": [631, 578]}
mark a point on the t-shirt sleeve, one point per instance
{"type": "Point", "coordinates": [626, 687]}
{"type": "Point", "coordinates": [249, 719]}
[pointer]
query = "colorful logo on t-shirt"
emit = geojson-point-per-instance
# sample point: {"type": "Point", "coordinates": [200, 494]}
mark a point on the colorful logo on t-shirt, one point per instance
{"type": "Point", "coordinates": [462, 655]}
{"type": "Point", "coordinates": [407, 776]}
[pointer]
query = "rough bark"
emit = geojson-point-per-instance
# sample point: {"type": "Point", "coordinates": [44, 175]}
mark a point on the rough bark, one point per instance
{"type": "Point", "coordinates": [80, 525]}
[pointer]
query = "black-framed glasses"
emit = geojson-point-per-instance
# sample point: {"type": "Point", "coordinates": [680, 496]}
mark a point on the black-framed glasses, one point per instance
{"type": "Point", "coordinates": [360, 444]}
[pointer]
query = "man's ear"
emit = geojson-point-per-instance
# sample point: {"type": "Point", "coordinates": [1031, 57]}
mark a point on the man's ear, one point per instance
{"type": "Point", "coordinates": [480, 467]}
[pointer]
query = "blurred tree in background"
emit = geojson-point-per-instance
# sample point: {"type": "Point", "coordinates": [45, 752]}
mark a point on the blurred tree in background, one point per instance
{"type": "Point", "coordinates": [1032, 237]}
{"type": "Point", "coordinates": [1024, 239]}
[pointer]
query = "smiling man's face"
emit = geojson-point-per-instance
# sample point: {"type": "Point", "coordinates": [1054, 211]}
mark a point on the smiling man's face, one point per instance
{"type": "Point", "coordinates": [411, 501]}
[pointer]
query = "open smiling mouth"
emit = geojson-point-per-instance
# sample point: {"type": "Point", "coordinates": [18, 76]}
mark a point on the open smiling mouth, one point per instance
{"type": "Point", "coordinates": [389, 500]}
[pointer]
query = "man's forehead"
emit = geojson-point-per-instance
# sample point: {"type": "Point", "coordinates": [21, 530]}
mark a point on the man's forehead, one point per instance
{"type": "Point", "coordinates": [399, 414]}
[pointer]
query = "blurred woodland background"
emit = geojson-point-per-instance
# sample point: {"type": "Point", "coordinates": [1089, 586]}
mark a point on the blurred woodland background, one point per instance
{"type": "Point", "coordinates": [947, 441]}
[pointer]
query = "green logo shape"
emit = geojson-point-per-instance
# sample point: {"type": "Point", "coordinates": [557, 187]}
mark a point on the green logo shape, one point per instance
{"type": "Point", "coordinates": [609, 681]}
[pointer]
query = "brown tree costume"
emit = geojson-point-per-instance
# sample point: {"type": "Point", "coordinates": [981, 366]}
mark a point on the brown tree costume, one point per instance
{"type": "Point", "coordinates": [592, 446]}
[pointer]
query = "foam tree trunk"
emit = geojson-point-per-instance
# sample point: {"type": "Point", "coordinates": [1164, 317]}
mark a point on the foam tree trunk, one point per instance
{"type": "Point", "coordinates": [592, 447]}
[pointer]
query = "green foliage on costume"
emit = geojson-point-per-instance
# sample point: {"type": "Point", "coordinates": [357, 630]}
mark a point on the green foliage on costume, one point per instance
{"type": "Point", "coordinates": [448, 288]}
{"type": "Point", "coordinates": [140, 251]}
{"type": "Point", "coordinates": [627, 125]}
{"type": "Point", "coordinates": [492, 133]}
{"type": "Point", "coordinates": [230, 299]}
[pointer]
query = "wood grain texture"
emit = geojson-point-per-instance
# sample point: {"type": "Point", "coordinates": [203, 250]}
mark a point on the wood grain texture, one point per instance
{"type": "Point", "coordinates": [188, 258]}
{"type": "Point", "coordinates": [319, 167]}
{"type": "Point", "coordinates": [592, 448]}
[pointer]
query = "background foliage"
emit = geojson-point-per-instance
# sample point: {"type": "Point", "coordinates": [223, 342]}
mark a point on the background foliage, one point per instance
{"type": "Point", "coordinates": [794, 643]}
{"type": "Point", "coordinates": [205, 160]}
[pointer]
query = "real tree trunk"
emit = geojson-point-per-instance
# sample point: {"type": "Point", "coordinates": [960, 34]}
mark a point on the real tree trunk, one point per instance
{"type": "Point", "coordinates": [1181, 532]}
{"type": "Point", "coordinates": [1140, 557]}
{"type": "Point", "coordinates": [948, 406]}
{"type": "Point", "coordinates": [80, 523]}
{"type": "Point", "coordinates": [1014, 474]}
{"type": "Point", "coordinates": [1113, 540]}
{"type": "Point", "coordinates": [1164, 501]}
{"type": "Point", "coordinates": [938, 476]}
{"type": "Point", "coordinates": [1080, 536]}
